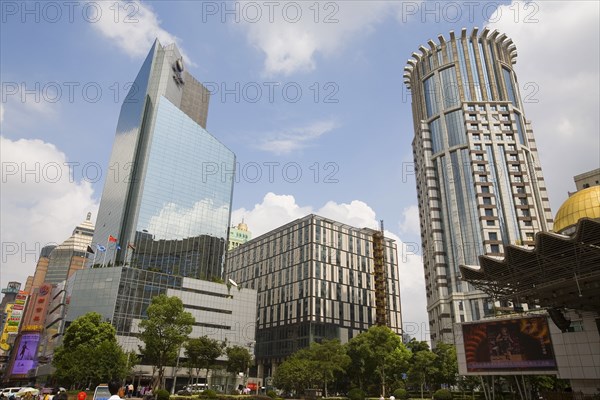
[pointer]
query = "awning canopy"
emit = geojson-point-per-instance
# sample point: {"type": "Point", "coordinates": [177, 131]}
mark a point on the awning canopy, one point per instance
{"type": "Point", "coordinates": [560, 271]}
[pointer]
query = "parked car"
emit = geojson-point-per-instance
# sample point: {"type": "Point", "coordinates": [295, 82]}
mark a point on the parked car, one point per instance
{"type": "Point", "coordinates": [101, 392]}
{"type": "Point", "coordinates": [9, 391]}
{"type": "Point", "coordinates": [195, 388]}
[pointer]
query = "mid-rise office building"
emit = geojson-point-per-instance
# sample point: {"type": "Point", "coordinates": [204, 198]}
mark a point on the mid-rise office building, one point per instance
{"type": "Point", "coordinates": [314, 278]}
{"type": "Point", "coordinates": [587, 179]}
{"type": "Point", "coordinates": [122, 295]}
{"type": "Point", "coordinates": [41, 267]}
{"type": "Point", "coordinates": [166, 207]}
{"type": "Point", "coordinates": [479, 181]}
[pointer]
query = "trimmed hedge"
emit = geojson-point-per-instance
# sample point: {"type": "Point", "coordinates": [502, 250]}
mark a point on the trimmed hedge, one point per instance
{"type": "Point", "coordinates": [401, 394]}
{"type": "Point", "coordinates": [208, 393]}
{"type": "Point", "coordinates": [356, 394]}
{"type": "Point", "coordinates": [162, 394]}
{"type": "Point", "coordinates": [442, 394]}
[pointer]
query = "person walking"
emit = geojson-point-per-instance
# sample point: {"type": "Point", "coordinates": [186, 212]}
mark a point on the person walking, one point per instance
{"type": "Point", "coordinates": [114, 387]}
{"type": "Point", "coordinates": [130, 390]}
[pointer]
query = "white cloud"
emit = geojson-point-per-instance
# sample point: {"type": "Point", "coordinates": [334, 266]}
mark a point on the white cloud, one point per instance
{"type": "Point", "coordinates": [410, 221]}
{"type": "Point", "coordinates": [292, 39]}
{"type": "Point", "coordinates": [293, 139]}
{"type": "Point", "coordinates": [174, 221]}
{"type": "Point", "coordinates": [39, 207]}
{"type": "Point", "coordinates": [1, 113]}
{"type": "Point", "coordinates": [559, 56]}
{"type": "Point", "coordinates": [134, 27]}
{"type": "Point", "coordinates": [277, 210]}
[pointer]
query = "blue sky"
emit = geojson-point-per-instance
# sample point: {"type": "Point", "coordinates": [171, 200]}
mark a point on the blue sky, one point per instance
{"type": "Point", "coordinates": [349, 132]}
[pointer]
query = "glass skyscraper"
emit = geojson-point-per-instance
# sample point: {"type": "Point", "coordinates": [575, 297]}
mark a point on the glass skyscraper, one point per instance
{"type": "Point", "coordinates": [479, 182]}
{"type": "Point", "coordinates": [164, 206]}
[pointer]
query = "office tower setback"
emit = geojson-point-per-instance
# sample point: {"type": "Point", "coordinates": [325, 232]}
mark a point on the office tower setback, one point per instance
{"type": "Point", "coordinates": [479, 181]}
{"type": "Point", "coordinates": [166, 203]}
{"type": "Point", "coordinates": [315, 281]}
{"type": "Point", "coordinates": [65, 258]}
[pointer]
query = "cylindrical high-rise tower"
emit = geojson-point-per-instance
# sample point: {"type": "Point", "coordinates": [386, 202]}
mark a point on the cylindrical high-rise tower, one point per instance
{"type": "Point", "coordinates": [479, 181]}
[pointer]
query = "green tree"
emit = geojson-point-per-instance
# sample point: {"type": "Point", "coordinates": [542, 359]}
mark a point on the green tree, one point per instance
{"type": "Point", "coordinates": [89, 353]}
{"type": "Point", "coordinates": [164, 332]}
{"type": "Point", "coordinates": [203, 352]}
{"type": "Point", "coordinates": [422, 368]}
{"type": "Point", "coordinates": [468, 384]}
{"type": "Point", "coordinates": [372, 352]}
{"type": "Point", "coordinates": [415, 346]}
{"type": "Point", "coordinates": [446, 364]}
{"type": "Point", "coordinates": [296, 373]}
{"type": "Point", "coordinates": [238, 359]}
{"type": "Point", "coordinates": [330, 358]}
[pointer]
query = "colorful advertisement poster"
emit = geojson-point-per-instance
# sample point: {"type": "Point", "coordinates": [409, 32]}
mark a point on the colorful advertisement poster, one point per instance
{"type": "Point", "coordinates": [17, 312]}
{"type": "Point", "coordinates": [37, 308]}
{"type": "Point", "coordinates": [521, 344]}
{"type": "Point", "coordinates": [4, 346]}
{"type": "Point", "coordinates": [24, 358]}
{"type": "Point", "coordinates": [21, 298]}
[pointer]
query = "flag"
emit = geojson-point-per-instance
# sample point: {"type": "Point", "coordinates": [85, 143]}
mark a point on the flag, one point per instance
{"type": "Point", "coordinates": [111, 238]}
{"type": "Point", "coordinates": [129, 245]}
{"type": "Point", "coordinates": [90, 250]}
{"type": "Point", "coordinates": [100, 248]}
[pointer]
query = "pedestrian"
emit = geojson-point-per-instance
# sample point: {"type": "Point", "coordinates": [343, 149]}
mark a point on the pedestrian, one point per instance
{"type": "Point", "coordinates": [381, 397]}
{"type": "Point", "coordinates": [130, 390]}
{"type": "Point", "coordinates": [114, 387]}
{"type": "Point", "coordinates": [61, 396]}
{"type": "Point", "coordinates": [82, 395]}
{"type": "Point", "coordinates": [392, 397]}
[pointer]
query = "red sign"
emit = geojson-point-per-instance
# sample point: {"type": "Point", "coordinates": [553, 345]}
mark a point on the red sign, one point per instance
{"type": "Point", "coordinates": [252, 386]}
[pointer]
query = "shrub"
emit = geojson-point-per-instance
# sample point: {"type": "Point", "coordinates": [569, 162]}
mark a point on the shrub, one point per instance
{"type": "Point", "coordinates": [208, 393]}
{"type": "Point", "coordinates": [356, 394]}
{"type": "Point", "coordinates": [442, 394]}
{"type": "Point", "coordinates": [401, 394]}
{"type": "Point", "coordinates": [162, 394]}
{"type": "Point", "coordinates": [272, 394]}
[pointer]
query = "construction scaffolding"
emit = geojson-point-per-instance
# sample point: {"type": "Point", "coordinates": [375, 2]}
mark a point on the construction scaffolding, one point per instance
{"type": "Point", "coordinates": [380, 278]}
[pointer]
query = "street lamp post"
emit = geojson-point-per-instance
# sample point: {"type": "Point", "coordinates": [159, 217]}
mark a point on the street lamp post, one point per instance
{"type": "Point", "coordinates": [175, 369]}
{"type": "Point", "coordinates": [251, 351]}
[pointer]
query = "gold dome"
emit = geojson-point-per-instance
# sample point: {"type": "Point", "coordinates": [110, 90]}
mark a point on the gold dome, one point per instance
{"type": "Point", "coordinates": [584, 203]}
{"type": "Point", "coordinates": [242, 226]}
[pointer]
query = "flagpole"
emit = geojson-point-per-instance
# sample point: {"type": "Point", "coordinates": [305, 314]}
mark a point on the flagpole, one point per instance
{"type": "Point", "coordinates": [126, 250]}
{"type": "Point", "coordinates": [104, 258]}
{"type": "Point", "coordinates": [106, 251]}
{"type": "Point", "coordinates": [94, 260]}
{"type": "Point", "coordinates": [115, 257]}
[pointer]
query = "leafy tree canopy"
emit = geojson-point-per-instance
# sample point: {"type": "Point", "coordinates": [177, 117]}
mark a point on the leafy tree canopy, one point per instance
{"type": "Point", "coordinates": [164, 332]}
{"type": "Point", "coordinates": [90, 353]}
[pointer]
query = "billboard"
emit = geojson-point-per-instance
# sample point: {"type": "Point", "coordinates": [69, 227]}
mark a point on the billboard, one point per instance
{"type": "Point", "coordinates": [24, 358]}
{"type": "Point", "coordinates": [17, 312]}
{"type": "Point", "coordinates": [520, 344]}
{"type": "Point", "coordinates": [37, 307]}
{"type": "Point", "coordinates": [4, 345]}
